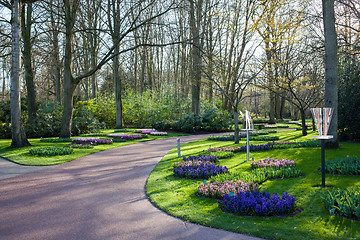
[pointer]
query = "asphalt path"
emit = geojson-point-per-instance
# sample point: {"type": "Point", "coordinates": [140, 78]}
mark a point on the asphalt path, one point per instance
{"type": "Point", "coordinates": [99, 196]}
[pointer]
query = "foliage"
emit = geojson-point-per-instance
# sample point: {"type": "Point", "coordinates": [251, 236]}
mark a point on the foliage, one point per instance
{"type": "Point", "coordinates": [345, 166]}
{"type": "Point", "coordinates": [51, 151]}
{"type": "Point", "coordinates": [84, 120]}
{"type": "Point", "coordinates": [55, 140]}
{"type": "Point", "coordinates": [269, 162]}
{"type": "Point", "coordinates": [343, 202]}
{"type": "Point", "coordinates": [211, 120]}
{"type": "Point", "coordinates": [258, 204]}
{"type": "Point", "coordinates": [103, 108]}
{"type": "Point", "coordinates": [349, 99]}
{"type": "Point", "coordinates": [80, 146]}
{"type": "Point", "coordinates": [223, 154]}
{"type": "Point", "coordinates": [5, 130]}
{"type": "Point", "coordinates": [219, 189]}
{"type": "Point", "coordinates": [197, 169]}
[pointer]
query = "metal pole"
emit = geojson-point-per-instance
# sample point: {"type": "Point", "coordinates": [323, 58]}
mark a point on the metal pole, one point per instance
{"type": "Point", "coordinates": [323, 162]}
{"type": "Point", "coordinates": [178, 147]}
{"type": "Point", "coordinates": [247, 145]}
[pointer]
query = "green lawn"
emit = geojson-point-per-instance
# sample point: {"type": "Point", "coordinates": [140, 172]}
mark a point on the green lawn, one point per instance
{"type": "Point", "coordinates": [178, 196]}
{"type": "Point", "coordinates": [22, 156]}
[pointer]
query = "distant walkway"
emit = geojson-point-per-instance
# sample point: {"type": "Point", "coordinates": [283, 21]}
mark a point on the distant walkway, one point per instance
{"type": "Point", "coordinates": [100, 196]}
{"type": "Point", "coordinates": [9, 169]}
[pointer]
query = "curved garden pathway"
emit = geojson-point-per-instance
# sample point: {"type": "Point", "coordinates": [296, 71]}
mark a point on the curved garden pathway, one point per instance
{"type": "Point", "coordinates": [100, 196]}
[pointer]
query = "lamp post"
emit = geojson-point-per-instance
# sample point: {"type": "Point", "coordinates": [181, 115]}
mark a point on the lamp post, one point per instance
{"type": "Point", "coordinates": [322, 117]}
{"type": "Point", "coordinates": [248, 126]}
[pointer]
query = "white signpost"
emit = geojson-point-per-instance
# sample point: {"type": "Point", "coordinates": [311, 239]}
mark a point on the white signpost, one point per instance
{"type": "Point", "coordinates": [322, 117]}
{"type": "Point", "coordinates": [248, 126]}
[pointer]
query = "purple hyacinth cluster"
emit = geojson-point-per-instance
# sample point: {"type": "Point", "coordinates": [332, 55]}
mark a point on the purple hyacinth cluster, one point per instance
{"type": "Point", "coordinates": [253, 148]}
{"type": "Point", "coordinates": [269, 162]}
{"type": "Point", "coordinates": [129, 137]}
{"type": "Point", "coordinates": [209, 158]}
{"type": "Point", "coordinates": [94, 141]}
{"type": "Point", "coordinates": [258, 204]}
{"type": "Point", "coordinates": [197, 169]}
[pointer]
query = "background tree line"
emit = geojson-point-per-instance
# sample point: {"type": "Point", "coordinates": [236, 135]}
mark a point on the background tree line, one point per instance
{"type": "Point", "coordinates": [148, 59]}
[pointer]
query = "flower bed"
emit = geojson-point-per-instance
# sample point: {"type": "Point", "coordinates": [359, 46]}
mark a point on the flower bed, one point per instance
{"type": "Point", "coordinates": [209, 158]}
{"type": "Point", "coordinates": [219, 189]}
{"type": "Point", "coordinates": [197, 169]}
{"type": "Point", "coordinates": [258, 204]}
{"type": "Point", "coordinates": [51, 151]}
{"type": "Point", "coordinates": [94, 141]}
{"type": "Point", "coordinates": [269, 162]}
{"type": "Point", "coordinates": [344, 166]}
{"type": "Point", "coordinates": [252, 148]}
{"type": "Point", "coordinates": [343, 202]}
{"type": "Point", "coordinates": [156, 133]}
{"type": "Point", "coordinates": [275, 126]}
{"type": "Point", "coordinates": [127, 136]}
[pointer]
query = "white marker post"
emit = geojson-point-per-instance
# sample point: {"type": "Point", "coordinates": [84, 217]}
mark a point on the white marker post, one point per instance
{"type": "Point", "coordinates": [248, 126]}
{"type": "Point", "coordinates": [178, 147]}
{"type": "Point", "coordinates": [322, 119]}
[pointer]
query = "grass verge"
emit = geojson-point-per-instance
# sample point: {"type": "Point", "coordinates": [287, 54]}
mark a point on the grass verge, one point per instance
{"type": "Point", "coordinates": [178, 197]}
{"type": "Point", "coordinates": [23, 157]}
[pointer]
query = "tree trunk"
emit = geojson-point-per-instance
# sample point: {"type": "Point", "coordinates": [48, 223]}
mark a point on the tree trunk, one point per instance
{"type": "Point", "coordinates": [331, 72]}
{"type": "Point", "coordinates": [236, 126]}
{"type": "Point", "coordinates": [117, 89]}
{"type": "Point", "coordinates": [29, 75]}
{"type": "Point", "coordinates": [17, 131]}
{"type": "Point", "coordinates": [196, 56]}
{"type": "Point", "coordinates": [69, 84]}
{"type": "Point", "coordinates": [303, 122]}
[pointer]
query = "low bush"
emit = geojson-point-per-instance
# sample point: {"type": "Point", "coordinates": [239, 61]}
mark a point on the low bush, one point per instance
{"type": "Point", "coordinates": [5, 130]}
{"type": "Point", "coordinates": [51, 151]}
{"type": "Point", "coordinates": [55, 140]}
{"type": "Point", "coordinates": [343, 202]}
{"type": "Point", "coordinates": [269, 162]}
{"type": "Point", "coordinates": [344, 166]}
{"type": "Point", "coordinates": [297, 144]}
{"type": "Point", "coordinates": [258, 204]}
{"type": "Point", "coordinates": [80, 146]}
{"type": "Point", "coordinates": [219, 189]}
{"type": "Point", "coordinates": [265, 138]}
{"type": "Point", "coordinates": [197, 169]}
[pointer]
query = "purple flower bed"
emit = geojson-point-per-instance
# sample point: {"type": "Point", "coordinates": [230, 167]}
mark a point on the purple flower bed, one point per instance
{"type": "Point", "coordinates": [258, 204]}
{"type": "Point", "coordinates": [253, 148]}
{"type": "Point", "coordinates": [197, 169]}
{"type": "Point", "coordinates": [282, 142]}
{"type": "Point", "coordinates": [269, 162]}
{"type": "Point", "coordinates": [127, 137]}
{"type": "Point", "coordinates": [219, 189]}
{"type": "Point", "coordinates": [210, 158]}
{"type": "Point", "coordinates": [94, 141]}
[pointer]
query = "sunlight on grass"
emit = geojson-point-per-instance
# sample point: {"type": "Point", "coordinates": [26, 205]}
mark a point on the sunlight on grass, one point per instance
{"type": "Point", "coordinates": [178, 197]}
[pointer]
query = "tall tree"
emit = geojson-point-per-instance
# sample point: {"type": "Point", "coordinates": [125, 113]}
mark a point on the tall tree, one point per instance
{"type": "Point", "coordinates": [26, 22]}
{"type": "Point", "coordinates": [331, 71]}
{"type": "Point", "coordinates": [196, 13]}
{"type": "Point", "coordinates": [17, 131]}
